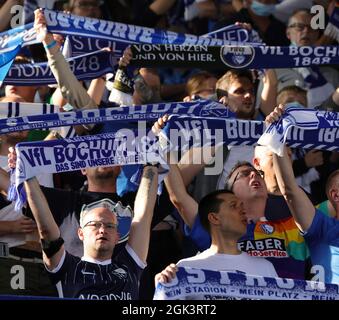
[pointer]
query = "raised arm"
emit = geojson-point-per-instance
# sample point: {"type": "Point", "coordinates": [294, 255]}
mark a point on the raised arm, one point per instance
{"type": "Point", "coordinates": [70, 88]}
{"type": "Point", "coordinates": [300, 206]}
{"type": "Point", "coordinates": [143, 212]}
{"type": "Point", "coordinates": [47, 228]}
{"type": "Point", "coordinates": [185, 204]}
{"type": "Point", "coordinates": [269, 91]}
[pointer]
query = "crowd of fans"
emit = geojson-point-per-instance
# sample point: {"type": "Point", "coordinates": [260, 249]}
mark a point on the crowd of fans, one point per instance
{"type": "Point", "coordinates": [223, 217]}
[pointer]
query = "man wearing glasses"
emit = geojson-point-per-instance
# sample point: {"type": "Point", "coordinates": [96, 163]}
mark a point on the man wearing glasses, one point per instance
{"type": "Point", "coordinates": [300, 33]}
{"type": "Point", "coordinates": [97, 275]}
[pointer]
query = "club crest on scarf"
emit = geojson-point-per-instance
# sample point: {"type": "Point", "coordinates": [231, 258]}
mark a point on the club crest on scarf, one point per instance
{"type": "Point", "coordinates": [237, 56]}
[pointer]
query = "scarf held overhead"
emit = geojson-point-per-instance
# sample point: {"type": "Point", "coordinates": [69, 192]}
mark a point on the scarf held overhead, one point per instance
{"type": "Point", "coordinates": [181, 133]}
{"type": "Point", "coordinates": [238, 57]}
{"type": "Point", "coordinates": [27, 118]}
{"type": "Point", "coordinates": [85, 67]}
{"type": "Point", "coordinates": [324, 125]}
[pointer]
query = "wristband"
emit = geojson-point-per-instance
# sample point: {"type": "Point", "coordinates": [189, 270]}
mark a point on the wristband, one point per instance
{"type": "Point", "coordinates": [51, 45]}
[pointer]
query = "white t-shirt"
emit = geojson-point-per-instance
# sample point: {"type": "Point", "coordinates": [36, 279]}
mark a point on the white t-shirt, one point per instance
{"type": "Point", "coordinates": [241, 263]}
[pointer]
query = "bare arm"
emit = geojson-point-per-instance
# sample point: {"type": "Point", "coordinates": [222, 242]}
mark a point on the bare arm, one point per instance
{"type": "Point", "coordinates": [301, 207]}
{"type": "Point", "coordinates": [47, 227]}
{"type": "Point", "coordinates": [143, 212]}
{"type": "Point", "coordinates": [70, 88]}
{"type": "Point", "coordinates": [269, 92]}
{"type": "Point", "coordinates": [185, 204]}
{"type": "Point", "coordinates": [193, 161]}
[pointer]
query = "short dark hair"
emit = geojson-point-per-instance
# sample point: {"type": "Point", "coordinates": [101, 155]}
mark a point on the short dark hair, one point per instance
{"type": "Point", "coordinates": [210, 203]}
{"type": "Point", "coordinates": [235, 167]}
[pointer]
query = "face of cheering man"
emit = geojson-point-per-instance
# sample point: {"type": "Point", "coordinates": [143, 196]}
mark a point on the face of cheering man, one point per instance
{"type": "Point", "coordinates": [99, 233]}
{"type": "Point", "coordinates": [299, 30]}
{"type": "Point", "coordinates": [247, 183]}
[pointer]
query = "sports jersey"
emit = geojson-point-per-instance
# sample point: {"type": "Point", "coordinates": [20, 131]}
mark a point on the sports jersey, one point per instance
{"type": "Point", "coordinates": [279, 241]}
{"type": "Point", "coordinates": [116, 279]}
{"type": "Point", "coordinates": [323, 240]}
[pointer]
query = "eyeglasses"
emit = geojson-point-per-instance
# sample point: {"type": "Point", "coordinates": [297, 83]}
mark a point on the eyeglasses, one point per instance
{"type": "Point", "coordinates": [96, 225]}
{"type": "Point", "coordinates": [246, 173]}
{"type": "Point", "coordinates": [301, 26]}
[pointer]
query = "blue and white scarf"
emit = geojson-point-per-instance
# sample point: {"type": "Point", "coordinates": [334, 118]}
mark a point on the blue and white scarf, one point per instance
{"type": "Point", "coordinates": [190, 282]}
{"type": "Point", "coordinates": [86, 67]}
{"type": "Point", "coordinates": [77, 45]}
{"type": "Point", "coordinates": [181, 133]}
{"type": "Point", "coordinates": [125, 34]}
{"type": "Point", "coordinates": [323, 124]}
{"type": "Point", "coordinates": [124, 147]}
{"type": "Point", "coordinates": [24, 35]}
{"type": "Point", "coordinates": [7, 57]}
{"type": "Point", "coordinates": [23, 109]}
{"type": "Point", "coordinates": [229, 56]}
{"type": "Point", "coordinates": [150, 112]}
{"type": "Point", "coordinates": [332, 28]}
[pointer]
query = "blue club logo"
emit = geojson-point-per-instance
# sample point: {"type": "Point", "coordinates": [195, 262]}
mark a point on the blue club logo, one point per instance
{"type": "Point", "coordinates": [237, 56]}
{"type": "Point", "coordinates": [267, 229]}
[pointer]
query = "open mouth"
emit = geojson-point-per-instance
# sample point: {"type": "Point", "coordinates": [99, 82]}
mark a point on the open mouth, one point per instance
{"type": "Point", "coordinates": [255, 184]}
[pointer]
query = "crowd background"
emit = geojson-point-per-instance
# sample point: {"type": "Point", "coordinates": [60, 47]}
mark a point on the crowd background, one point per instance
{"type": "Point", "coordinates": [251, 94]}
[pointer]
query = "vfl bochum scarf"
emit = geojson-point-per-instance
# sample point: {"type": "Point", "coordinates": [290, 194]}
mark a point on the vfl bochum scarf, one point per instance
{"type": "Point", "coordinates": [190, 283]}
{"type": "Point", "coordinates": [67, 24]}
{"type": "Point", "coordinates": [85, 67]}
{"type": "Point", "coordinates": [77, 45]}
{"type": "Point", "coordinates": [324, 123]}
{"type": "Point", "coordinates": [150, 112]}
{"type": "Point", "coordinates": [238, 57]}
{"type": "Point", "coordinates": [110, 149]}
{"type": "Point", "coordinates": [332, 28]}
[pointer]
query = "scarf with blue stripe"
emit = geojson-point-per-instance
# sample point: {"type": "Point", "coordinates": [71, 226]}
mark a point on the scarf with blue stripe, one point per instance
{"type": "Point", "coordinates": [191, 283]}
{"type": "Point", "coordinates": [319, 130]}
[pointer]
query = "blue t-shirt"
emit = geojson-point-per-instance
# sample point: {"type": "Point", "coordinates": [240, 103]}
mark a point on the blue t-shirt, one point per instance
{"type": "Point", "coordinates": [86, 280]}
{"type": "Point", "coordinates": [323, 241]}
